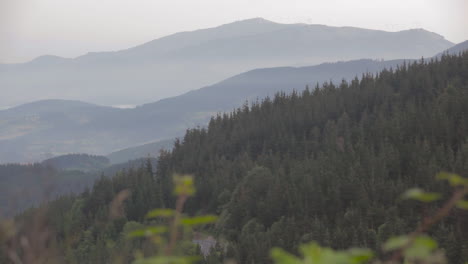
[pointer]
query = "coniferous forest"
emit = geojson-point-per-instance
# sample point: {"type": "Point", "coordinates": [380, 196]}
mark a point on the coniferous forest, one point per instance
{"type": "Point", "coordinates": [325, 164]}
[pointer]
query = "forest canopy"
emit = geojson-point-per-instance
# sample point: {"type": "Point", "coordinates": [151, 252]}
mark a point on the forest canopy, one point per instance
{"type": "Point", "coordinates": [326, 164]}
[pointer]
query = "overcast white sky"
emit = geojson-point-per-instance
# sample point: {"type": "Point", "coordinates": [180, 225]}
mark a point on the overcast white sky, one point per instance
{"type": "Point", "coordinates": [69, 28]}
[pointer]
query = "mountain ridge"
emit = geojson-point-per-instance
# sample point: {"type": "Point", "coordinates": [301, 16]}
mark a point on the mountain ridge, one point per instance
{"type": "Point", "coordinates": [454, 50]}
{"type": "Point", "coordinates": [111, 129]}
{"type": "Point", "coordinates": [175, 64]}
{"type": "Point", "coordinates": [248, 22]}
{"type": "Point", "coordinates": [98, 130]}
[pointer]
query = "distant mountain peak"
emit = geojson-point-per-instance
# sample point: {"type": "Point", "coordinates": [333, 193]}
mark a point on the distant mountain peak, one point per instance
{"type": "Point", "coordinates": [187, 60]}
{"type": "Point", "coordinates": [424, 31]}
{"type": "Point", "coordinates": [47, 59]}
{"type": "Point", "coordinates": [258, 20]}
{"type": "Point", "coordinates": [53, 105]}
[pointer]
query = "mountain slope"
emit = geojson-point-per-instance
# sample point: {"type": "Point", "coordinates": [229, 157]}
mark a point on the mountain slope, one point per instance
{"type": "Point", "coordinates": [260, 83]}
{"type": "Point", "coordinates": [455, 50]}
{"type": "Point", "coordinates": [144, 151]}
{"type": "Point", "coordinates": [327, 165]}
{"type": "Point", "coordinates": [81, 162]}
{"type": "Point", "coordinates": [42, 129]}
{"type": "Point", "coordinates": [184, 61]}
{"type": "Point", "coordinates": [27, 185]}
{"type": "Point", "coordinates": [39, 130]}
{"type": "Point", "coordinates": [70, 127]}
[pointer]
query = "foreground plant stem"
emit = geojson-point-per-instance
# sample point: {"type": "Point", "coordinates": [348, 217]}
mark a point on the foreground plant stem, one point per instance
{"type": "Point", "coordinates": [175, 223]}
{"type": "Point", "coordinates": [428, 222]}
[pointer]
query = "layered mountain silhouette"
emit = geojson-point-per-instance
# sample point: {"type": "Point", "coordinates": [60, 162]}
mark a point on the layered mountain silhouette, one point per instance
{"type": "Point", "coordinates": [184, 61]}
{"type": "Point", "coordinates": [39, 130]}
{"type": "Point", "coordinates": [149, 150]}
{"type": "Point", "coordinates": [455, 50]}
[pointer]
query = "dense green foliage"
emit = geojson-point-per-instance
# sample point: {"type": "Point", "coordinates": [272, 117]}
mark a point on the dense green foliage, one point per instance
{"type": "Point", "coordinates": [326, 165]}
{"type": "Point", "coordinates": [414, 247]}
{"type": "Point", "coordinates": [329, 165]}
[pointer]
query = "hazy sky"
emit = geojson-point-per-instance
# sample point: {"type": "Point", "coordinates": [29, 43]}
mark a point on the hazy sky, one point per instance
{"type": "Point", "coordinates": [69, 28]}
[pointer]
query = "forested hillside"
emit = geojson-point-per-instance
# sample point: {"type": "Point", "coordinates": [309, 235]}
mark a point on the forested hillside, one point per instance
{"type": "Point", "coordinates": [325, 164]}
{"type": "Point", "coordinates": [329, 164]}
{"type": "Point", "coordinates": [28, 185]}
{"type": "Point", "coordinates": [24, 186]}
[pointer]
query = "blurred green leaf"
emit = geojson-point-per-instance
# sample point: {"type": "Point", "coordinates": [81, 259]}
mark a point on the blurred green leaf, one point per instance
{"type": "Point", "coordinates": [462, 204]}
{"type": "Point", "coordinates": [184, 185]}
{"type": "Point", "coordinates": [199, 220]}
{"type": "Point", "coordinates": [283, 257]}
{"type": "Point", "coordinates": [453, 179]}
{"type": "Point", "coordinates": [148, 231]}
{"type": "Point", "coordinates": [360, 255]}
{"type": "Point", "coordinates": [421, 248]}
{"type": "Point", "coordinates": [420, 195]}
{"type": "Point", "coordinates": [160, 213]}
{"type": "Point", "coordinates": [395, 243]}
{"type": "Point", "coordinates": [315, 254]}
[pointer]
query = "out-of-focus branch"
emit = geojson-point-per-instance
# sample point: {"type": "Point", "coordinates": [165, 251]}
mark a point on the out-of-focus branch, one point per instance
{"type": "Point", "coordinates": [428, 222]}
{"type": "Point", "coordinates": [175, 223]}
